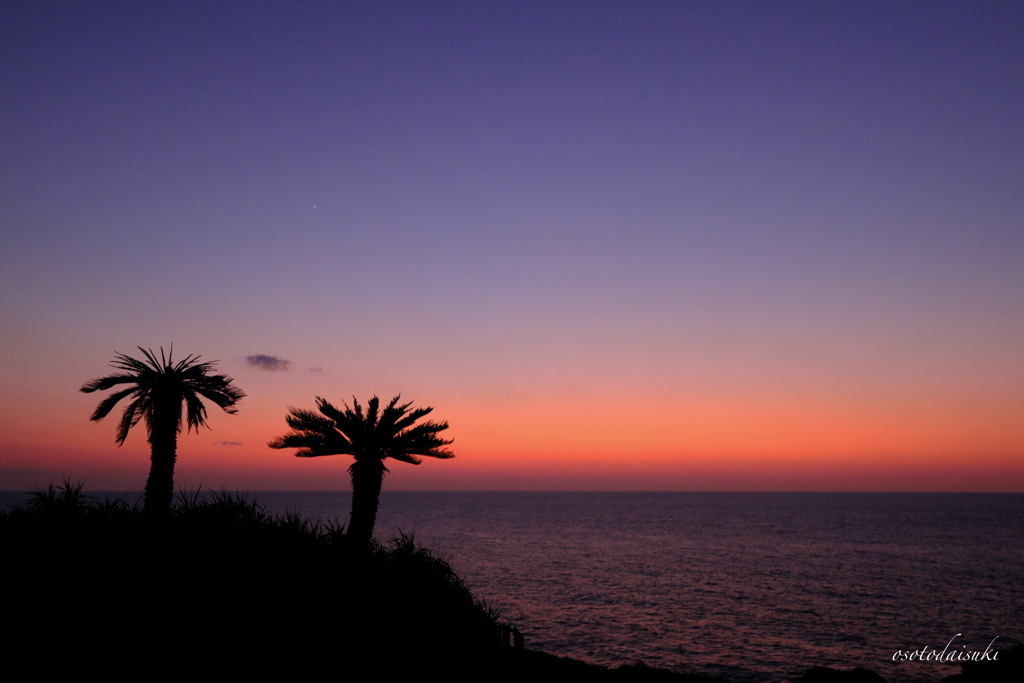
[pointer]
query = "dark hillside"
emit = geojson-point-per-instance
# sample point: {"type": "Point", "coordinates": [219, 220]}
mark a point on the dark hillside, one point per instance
{"type": "Point", "coordinates": [223, 587]}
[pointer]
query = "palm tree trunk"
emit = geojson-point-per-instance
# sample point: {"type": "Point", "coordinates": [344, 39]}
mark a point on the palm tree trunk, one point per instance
{"type": "Point", "coordinates": [163, 441]}
{"type": "Point", "coordinates": [367, 479]}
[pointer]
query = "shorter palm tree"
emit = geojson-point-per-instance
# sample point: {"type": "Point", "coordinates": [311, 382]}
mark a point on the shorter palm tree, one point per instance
{"type": "Point", "coordinates": [369, 437]}
{"type": "Point", "coordinates": [158, 388]}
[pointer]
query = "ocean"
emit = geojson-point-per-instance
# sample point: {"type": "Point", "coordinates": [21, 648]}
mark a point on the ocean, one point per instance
{"type": "Point", "coordinates": [754, 587]}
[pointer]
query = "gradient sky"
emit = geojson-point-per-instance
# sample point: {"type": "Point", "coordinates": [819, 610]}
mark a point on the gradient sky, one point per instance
{"type": "Point", "coordinates": [617, 245]}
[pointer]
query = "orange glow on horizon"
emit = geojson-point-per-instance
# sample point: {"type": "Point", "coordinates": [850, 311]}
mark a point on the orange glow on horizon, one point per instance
{"type": "Point", "coordinates": [587, 442]}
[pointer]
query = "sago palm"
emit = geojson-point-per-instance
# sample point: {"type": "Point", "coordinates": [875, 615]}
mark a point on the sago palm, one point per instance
{"type": "Point", "coordinates": [157, 389]}
{"type": "Point", "coordinates": [369, 437]}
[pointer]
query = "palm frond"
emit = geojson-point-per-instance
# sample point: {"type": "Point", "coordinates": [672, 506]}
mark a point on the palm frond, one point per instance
{"type": "Point", "coordinates": [372, 412]}
{"type": "Point", "coordinates": [220, 390]}
{"type": "Point", "coordinates": [423, 435]}
{"type": "Point", "coordinates": [195, 412]}
{"type": "Point", "coordinates": [129, 418]}
{"type": "Point", "coordinates": [308, 421]}
{"type": "Point", "coordinates": [191, 368]}
{"type": "Point", "coordinates": [404, 457]}
{"type": "Point", "coordinates": [104, 383]}
{"type": "Point", "coordinates": [329, 411]}
{"type": "Point", "coordinates": [107, 404]}
{"type": "Point", "coordinates": [313, 435]}
{"type": "Point", "coordinates": [312, 445]}
{"type": "Point", "coordinates": [426, 431]}
{"type": "Point", "coordinates": [126, 362]}
{"type": "Point", "coordinates": [357, 410]}
{"type": "Point", "coordinates": [392, 418]}
{"type": "Point", "coordinates": [349, 421]}
{"type": "Point", "coordinates": [412, 418]}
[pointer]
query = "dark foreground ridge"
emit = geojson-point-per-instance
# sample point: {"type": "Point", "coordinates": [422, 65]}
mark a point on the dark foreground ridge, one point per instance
{"type": "Point", "coordinates": [221, 586]}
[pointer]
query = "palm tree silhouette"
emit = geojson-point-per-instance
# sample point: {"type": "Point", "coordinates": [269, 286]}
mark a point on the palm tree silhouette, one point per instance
{"type": "Point", "coordinates": [369, 437]}
{"type": "Point", "coordinates": [158, 388]}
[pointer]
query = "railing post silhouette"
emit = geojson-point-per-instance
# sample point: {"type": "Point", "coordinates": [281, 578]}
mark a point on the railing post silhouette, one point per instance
{"type": "Point", "coordinates": [510, 636]}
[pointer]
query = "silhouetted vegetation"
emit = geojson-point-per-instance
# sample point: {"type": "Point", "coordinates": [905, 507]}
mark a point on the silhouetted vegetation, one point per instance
{"type": "Point", "coordinates": [226, 588]}
{"type": "Point", "coordinates": [158, 388]}
{"type": "Point", "coordinates": [224, 580]}
{"type": "Point", "coordinates": [369, 437]}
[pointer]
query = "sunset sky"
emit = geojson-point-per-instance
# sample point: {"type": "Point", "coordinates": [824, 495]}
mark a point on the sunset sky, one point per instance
{"type": "Point", "coordinates": [617, 245]}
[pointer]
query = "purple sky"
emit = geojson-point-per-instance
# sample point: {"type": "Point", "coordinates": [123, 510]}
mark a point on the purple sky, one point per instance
{"type": "Point", "coordinates": [495, 204]}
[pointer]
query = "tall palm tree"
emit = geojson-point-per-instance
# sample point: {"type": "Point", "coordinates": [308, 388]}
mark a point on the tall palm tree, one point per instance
{"type": "Point", "coordinates": [369, 437]}
{"type": "Point", "coordinates": [157, 389]}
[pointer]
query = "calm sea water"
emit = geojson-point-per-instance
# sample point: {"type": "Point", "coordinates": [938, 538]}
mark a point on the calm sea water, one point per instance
{"type": "Point", "coordinates": [754, 587]}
